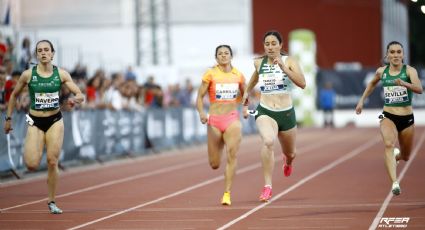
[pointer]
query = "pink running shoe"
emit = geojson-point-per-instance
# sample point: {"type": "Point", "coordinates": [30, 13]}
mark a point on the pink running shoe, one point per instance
{"type": "Point", "coordinates": [287, 169]}
{"type": "Point", "coordinates": [266, 194]}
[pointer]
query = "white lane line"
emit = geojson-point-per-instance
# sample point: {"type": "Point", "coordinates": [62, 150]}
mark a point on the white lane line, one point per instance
{"type": "Point", "coordinates": [387, 200]}
{"type": "Point", "coordinates": [340, 160]}
{"type": "Point", "coordinates": [50, 220]}
{"type": "Point", "coordinates": [309, 228]}
{"type": "Point", "coordinates": [309, 218]}
{"type": "Point", "coordinates": [170, 220]}
{"type": "Point", "coordinates": [209, 208]}
{"type": "Point", "coordinates": [150, 202]}
{"type": "Point", "coordinates": [168, 169]}
{"type": "Point", "coordinates": [243, 170]}
{"type": "Point", "coordinates": [105, 165]}
{"type": "Point", "coordinates": [114, 182]}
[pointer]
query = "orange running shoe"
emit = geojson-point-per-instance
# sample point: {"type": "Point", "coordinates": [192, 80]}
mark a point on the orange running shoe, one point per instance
{"type": "Point", "coordinates": [266, 194]}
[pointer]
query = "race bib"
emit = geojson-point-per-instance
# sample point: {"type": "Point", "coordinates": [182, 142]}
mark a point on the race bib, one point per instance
{"type": "Point", "coordinates": [46, 100]}
{"type": "Point", "coordinates": [395, 94]}
{"type": "Point", "coordinates": [272, 82]}
{"type": "Point", "coordinates": [226, 91]}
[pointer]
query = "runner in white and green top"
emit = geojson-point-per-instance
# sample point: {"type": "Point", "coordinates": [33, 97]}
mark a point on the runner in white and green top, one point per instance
{"type": "Point", "coordinates": [276, 73]}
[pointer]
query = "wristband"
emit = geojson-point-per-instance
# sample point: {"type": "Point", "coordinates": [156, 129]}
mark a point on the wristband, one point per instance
{"type": "Point", "coordinates": [7, 118]}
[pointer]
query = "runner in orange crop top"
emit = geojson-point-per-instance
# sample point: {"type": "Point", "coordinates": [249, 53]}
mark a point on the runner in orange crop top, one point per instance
{"type": "Point", "coordinates": [224, 85]}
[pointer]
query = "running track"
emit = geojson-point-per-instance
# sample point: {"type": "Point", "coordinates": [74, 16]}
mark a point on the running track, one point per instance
{"type": "Point", "coordinates": [339, 182]}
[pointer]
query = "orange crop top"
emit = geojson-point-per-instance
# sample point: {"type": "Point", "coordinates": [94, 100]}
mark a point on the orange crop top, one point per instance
{"type": "Point", "coordinates": [224, 87]}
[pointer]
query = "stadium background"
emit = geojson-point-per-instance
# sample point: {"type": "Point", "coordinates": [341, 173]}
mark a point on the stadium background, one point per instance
{"type": "Point", "coordinates": [338, 41]}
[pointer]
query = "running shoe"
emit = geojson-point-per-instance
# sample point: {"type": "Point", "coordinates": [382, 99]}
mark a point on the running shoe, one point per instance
{"type": "Point", "coordinates": [287, 169]}
{"type": "Point", "coordinates": [226, 199]}
{"type": "Point", "coordinates": [53, 208]}
{"type": "Point", "coordinates": [396, 188]}
{"type": "Point", "coordinates": [266, 194]}
{"type": "Point", "coordinates": [396, 153]}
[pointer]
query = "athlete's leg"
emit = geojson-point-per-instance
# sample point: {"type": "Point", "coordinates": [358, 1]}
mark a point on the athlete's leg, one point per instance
{"type": "Point", "coordinates": [267, 127]}
{"type": "Point", "coordinates": [287, 141]}
{"type": "Point", "coordinates": [389, 136]}
{"type": "Point", "coordinates": [405, 139]}
{"type": "Point", "coordinates": [33, 150]}
{"type": "Point", "coordinates": [232, 138]}
{"type": "Point", "coordinates": [215, 146]}
{"type": "Point", "coordinates": [54, 140]}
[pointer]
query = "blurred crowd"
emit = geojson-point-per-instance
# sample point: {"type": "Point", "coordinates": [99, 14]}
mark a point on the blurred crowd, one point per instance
{"type": "Point", "coordinates": [115, 91]}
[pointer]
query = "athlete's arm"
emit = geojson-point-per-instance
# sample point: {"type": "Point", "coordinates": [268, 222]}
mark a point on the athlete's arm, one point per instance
{"type": "Point", "coordinates": [416, 85]}
{"type": "Point", "coordinates": [242, 85]}
{"type": "Point", "coordinates": [68, 82]}
{"type": "Point", "coordinates": [293, 70]}
{"type": "Point", "coordinates": [252, 82]}
{"type": "Point", "coordinates": [20, 85]}
{"type": "Point", "coordinates": [369, 89]}
{"type": "Point", "coordinates": [203, 89]}
{"type": "Point", "coordinates": [242, 88]}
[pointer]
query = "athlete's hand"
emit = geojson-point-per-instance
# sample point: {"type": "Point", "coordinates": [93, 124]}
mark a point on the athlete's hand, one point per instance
{"type": "Point", "coordinates": [278, 61]}
{"type": "Point", "coordinates": [245, 111]}
{"type": "Point", "coordinates": [72, 101]}
{"type": "Point", "coordinates": [8, 126]}
{"type": "Point", "coordinates": [204, 118]}
{"type": "Point", "coordinates": [400, 82]}
{"type": "Point", "coordinates": [359, 107]}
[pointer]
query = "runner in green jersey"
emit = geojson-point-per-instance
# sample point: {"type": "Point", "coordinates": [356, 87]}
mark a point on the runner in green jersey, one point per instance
{"type": "Point", "coordinates": [45, 124]}
{"type": "Point", "coordinates": [397, 122]}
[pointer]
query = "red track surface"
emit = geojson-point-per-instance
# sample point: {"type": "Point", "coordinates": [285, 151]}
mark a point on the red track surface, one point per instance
{"type": "Point", "coordinates": [339, 182]}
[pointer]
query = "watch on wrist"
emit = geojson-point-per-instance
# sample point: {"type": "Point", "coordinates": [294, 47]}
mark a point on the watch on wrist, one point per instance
{"type": "Point", "coordinates": [7, 118]}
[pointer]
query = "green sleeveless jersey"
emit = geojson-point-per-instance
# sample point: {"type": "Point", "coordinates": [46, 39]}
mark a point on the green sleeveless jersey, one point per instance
{"type": "Point", "coordinates": [44, 91]}
{"type": "Point", "coordinates": [272, 80]}
{"type": "Point", "coordinates": [395, 95]}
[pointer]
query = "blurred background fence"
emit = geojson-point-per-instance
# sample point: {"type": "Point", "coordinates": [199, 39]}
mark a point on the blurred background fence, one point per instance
{"type": "Point", "coordinates": [100, 135]}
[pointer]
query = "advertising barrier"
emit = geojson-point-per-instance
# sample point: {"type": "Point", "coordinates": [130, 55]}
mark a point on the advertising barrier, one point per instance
{"type": "Point", "coordinates": [350, 85]}
{"type": "Point", "coordinates": [98, 135]}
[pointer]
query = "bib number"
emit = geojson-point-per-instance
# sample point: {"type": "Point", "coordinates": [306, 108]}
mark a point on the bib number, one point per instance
{"type": "Point", "coordinates": [46, 100]}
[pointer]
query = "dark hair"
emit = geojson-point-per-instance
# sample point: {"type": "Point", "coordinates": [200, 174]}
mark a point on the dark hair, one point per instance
{"type": "Point", "coordinates": [278, 37]}
{"type": "Point", "coordinates": [274, 33]}
{"type": "Point", "coordinates": [225, 46]}
{"type": "Point", "coordinates": [388, 47]}
{"type": "Point", "coordinates": [51, 45]}
{"type": "Point", "coordinates": [394, 43]}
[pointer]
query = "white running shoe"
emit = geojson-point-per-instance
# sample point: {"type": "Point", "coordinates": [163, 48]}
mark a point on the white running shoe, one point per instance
{"type": "Point", "coordinates": [396, 153]}
{"type": "Point", "coordinates": [53, 208]}
{"type": "Point", "coordinates": [396, 189]}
